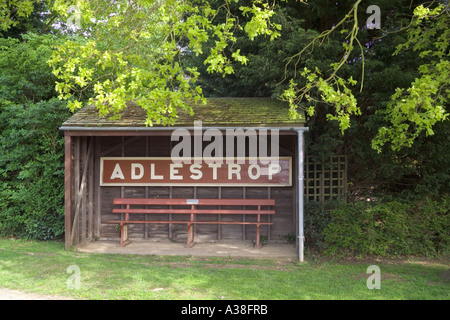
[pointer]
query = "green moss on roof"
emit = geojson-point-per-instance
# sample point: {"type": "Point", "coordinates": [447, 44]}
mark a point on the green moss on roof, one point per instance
{"type": "Point", "coordinates": [218, 112]}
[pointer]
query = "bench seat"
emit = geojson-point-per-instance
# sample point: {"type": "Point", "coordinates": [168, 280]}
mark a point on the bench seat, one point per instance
{"type": "Point", "coordinates": [191, 212]}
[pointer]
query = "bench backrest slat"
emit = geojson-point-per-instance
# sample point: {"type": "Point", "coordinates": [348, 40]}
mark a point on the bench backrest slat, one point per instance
{"type": "Point", "coordinates": [189, 211]}
{"type": "Point", "coordinates": [201, 202]}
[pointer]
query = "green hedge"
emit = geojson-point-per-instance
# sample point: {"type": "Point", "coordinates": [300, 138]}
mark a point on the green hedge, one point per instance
{"type": "Point", "coordinates": [31, 145]}
{"type": "Point", "coordinates": [391, 228]}
{"type": "Point", "coordinates": [32, 170]}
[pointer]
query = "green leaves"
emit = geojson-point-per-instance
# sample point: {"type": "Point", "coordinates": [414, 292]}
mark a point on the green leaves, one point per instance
{"type": "Point", "coordinates": [31, 170]}
{"type": "Point", "coordinates": [260, 23]}
{"type": "Point", "coordinates": [389, 228]}
{"type": "Point", "coordinates": [11, 9]}
{"type": "Point", "coordinates": [411, 111]}
{"type": "Point", "coordinates": [418, 108]}
{"type": "Point", "coordinates": [31, 145]}
{"type": "Point", "coordinates": [25, 77]}
{"type": "Point", "coordinates": [135, 53]}
{"type": "Point", "coordinates": [333, 91]}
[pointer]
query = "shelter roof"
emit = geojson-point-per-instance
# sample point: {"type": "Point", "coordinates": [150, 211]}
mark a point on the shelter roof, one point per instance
{"type": "Point", "coordinates": [217, 112]}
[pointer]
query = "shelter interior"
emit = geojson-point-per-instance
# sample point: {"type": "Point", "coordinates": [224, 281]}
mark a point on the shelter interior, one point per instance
{"type": "Point", "coordinates": [93, 203]}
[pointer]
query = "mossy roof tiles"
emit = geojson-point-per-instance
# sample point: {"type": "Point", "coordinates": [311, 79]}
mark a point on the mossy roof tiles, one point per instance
{"type": "Point", "coordinates": [218, 112]}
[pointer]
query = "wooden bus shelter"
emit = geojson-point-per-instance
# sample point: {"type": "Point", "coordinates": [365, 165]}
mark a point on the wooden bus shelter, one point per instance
{"type": "Point", "coordinates": [124, 159]}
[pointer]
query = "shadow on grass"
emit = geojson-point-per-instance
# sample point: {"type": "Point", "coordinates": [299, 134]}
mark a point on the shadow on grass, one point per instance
{"type": "Point", "coordinates": [42, 268]}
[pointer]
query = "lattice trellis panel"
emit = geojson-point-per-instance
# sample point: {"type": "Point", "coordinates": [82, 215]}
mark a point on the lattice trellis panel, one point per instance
{"type": "Point", "coordinates": [325, 180]}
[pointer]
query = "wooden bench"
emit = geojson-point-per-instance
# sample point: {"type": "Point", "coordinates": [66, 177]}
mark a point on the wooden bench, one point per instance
{"type": "Point", "coordinates": [190, 207]}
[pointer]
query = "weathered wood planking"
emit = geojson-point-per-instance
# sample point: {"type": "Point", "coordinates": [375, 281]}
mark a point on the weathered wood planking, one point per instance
{"type": "Point", "coordinates": [97, 206]}
{"type": "Point", "coordinates": [207, 232]}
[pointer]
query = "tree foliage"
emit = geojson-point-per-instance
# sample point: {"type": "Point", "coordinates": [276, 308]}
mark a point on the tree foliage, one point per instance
{"type": "Point", "coordinates": [31, 146]}
{"type": "Point", "coordinates": [12, 10]}
{"type": "Point", "coordinates": [422, 167]}
{"type": "Point", "coordinates": [410, 111]}
{"type": "Point", "coordinates": [134, 51]}
{"type": "Point", "coordinates": [137, 50]}
{"type": "Point", "coordinates": [423, 104]}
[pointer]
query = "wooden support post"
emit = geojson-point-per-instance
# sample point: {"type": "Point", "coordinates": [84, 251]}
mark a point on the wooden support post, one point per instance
{"type": "Point", "coordinates": [76, 180]}
{"type": "Point", "coordinates": [98, 190]}
{"type": "Point", "coordinates": [84, 161]}
{"type": "Point", "coordinates": [68, 189]}
{"type": "Point", "coordinates": [90, 234]}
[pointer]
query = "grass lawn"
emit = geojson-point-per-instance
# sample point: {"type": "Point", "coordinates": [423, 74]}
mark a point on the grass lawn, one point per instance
{"type": "Point", "coordinates": [41, 267]}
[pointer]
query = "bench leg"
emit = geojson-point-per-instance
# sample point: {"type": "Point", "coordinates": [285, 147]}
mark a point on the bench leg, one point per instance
{"type": "Point", "coordinates": [258, 244]}
{"type": "Point", "coordinates": [124, 235]}
{"type": "Point", "coordinates": [190, 235]}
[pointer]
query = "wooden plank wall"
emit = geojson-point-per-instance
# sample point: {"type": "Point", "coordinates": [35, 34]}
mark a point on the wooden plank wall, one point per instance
{"type": "Point", "coordinates": [82, 225]}
{"type": "Point", "coordinates": [96, 202]}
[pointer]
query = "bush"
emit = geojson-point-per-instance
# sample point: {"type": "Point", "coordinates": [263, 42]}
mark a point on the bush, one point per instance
{"type": "Point", "coordinates": [31, 145]}
{"type": "Point", "coordinates": [389, 229]}
{"type": "Point", "coordinates": [32, 170]}
{"type": "Point", "coordinates": [430, 226]}
{"type": "Point", "coordinates": [316, 218]}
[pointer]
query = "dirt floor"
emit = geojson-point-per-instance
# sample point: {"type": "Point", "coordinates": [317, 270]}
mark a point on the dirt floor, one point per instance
{"type": "Point", "coordinates": [219, 248]}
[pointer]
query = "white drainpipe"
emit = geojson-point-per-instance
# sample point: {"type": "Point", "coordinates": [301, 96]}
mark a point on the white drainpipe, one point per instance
{"type": "Point", "coordinates": [300, 167]}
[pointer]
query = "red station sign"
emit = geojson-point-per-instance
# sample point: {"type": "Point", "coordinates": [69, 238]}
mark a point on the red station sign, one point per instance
{"type": "Point", "coordinates": [145, 171]}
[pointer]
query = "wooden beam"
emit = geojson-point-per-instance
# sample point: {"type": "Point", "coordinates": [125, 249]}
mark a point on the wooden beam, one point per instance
{"type": "Point", "coordinates": [84, 160]}
{"type": "Point", "coordinates": [117, 133]}
{"type": "Point", "coordinates": [98, 190]}
{"type": "Point", "coordinates": [67, 189]}
{"type": "Point", "coordinates": [76, 187]}
{"type": "Point", "coordinates": [131, 133]}
{"type": "Point", "coordinates": [91, 194]}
